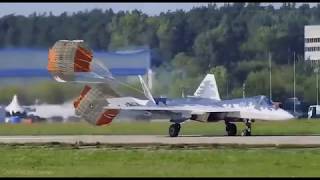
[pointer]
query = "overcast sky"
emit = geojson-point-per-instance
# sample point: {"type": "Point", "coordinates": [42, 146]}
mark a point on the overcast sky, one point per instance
{"type": "Point", "coordinates": [58, 8]}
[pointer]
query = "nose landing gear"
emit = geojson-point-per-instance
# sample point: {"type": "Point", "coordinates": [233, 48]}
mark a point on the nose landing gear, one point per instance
{"type": "Point", "coordinates": [247, 131]}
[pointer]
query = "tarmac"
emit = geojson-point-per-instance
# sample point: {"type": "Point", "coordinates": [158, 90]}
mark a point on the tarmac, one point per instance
{"type": "Point", "coordinates": [145, 140]}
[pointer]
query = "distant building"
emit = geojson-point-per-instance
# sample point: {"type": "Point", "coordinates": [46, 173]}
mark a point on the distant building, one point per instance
{"type": "Point", "coordinates": [54, 112]}
{"type": "Point", "coordinates": [312, 42]}
{"type": "Point", "coordinates": [22, 62]}
{"type": "Point", "coordinates": [312, 50]}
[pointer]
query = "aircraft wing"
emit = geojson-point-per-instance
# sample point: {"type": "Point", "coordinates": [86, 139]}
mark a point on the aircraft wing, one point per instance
{"type": "Point", "coordinates": [206, 110]}
{"type": "Point", "coordinates": [198, 109]}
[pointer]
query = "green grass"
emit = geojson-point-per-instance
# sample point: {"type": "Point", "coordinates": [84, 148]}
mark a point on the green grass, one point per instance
{"type": "Point", "coordinates": [165, 161]}
{"type": "Point", "coordinates": [295, 127]}
{"type": "Point", "coordinates": [45, 161]}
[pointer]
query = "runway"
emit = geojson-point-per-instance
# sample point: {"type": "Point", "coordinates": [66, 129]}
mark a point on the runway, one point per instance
{"type": "Point", "coordinates": [145, 140]}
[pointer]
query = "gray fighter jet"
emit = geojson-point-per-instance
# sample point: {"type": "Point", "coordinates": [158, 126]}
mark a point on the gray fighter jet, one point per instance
{"type": "Point", "coordinates": [205, 106]}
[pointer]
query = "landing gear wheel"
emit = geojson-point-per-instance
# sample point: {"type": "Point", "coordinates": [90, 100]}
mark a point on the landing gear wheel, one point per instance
{"type": "Point", "coordinates": [246, 132]}
{"type": "Point", "coordinates": [174, 130]}
{"type": "Point", "coordinates": [231, 129]}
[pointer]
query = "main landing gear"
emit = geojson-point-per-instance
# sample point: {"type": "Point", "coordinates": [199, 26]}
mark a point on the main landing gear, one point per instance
{"type": "Point", "coordinates": [231, 128]}
{"type": "Point", "coordinates": [174, 129]}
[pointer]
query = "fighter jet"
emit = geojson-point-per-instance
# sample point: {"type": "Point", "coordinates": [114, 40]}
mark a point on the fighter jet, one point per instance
{"type": "Point", "coordinates": [99, 102]}
{"type": "Point", "coordinates": [100, 105]}
{"type": "Point", "coordinates": [206, 106]}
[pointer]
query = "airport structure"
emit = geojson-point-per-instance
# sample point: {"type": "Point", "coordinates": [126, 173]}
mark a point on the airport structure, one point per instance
{"type": "Point", "coordinates": [33, 62]}
{"type": "Point", "coordinates": [312, 50]}
{"type": "Point", "coordinates": [312, 43]}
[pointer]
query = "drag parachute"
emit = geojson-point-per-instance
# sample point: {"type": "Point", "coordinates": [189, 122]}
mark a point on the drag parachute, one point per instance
{"type": "Point", "coordinates": [72, 60]}
{"type": "Point", "coordinates": [91, 102]}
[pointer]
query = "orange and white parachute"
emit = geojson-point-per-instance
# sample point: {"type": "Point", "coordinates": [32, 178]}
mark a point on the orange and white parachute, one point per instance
{"type": "Point", "coordinates": [72, 60]}
{"type": "Point", "coordinates": [91, 102]}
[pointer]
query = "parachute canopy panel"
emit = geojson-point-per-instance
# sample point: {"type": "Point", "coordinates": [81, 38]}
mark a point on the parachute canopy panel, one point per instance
{"type": "Point", "coordinates": [67, 57]}
{"type": "Point", "coordinates": [90, 104]}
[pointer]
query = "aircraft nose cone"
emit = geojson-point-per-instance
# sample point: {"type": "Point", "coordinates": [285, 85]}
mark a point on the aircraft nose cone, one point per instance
{"type": "Point", "coordinates": [290, 116]}
{"type": "Point", "coordinates": [287, 115]}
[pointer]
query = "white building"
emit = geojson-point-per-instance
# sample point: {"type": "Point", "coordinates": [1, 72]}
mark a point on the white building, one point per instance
{"type": "Point", "coordinates": [312, 42]}
{"type": "Point", "coordinates": [48, 111]}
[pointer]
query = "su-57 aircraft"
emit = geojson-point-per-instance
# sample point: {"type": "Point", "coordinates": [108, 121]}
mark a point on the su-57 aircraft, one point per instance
{"type": "Point", "coordinates": [99, 103]}
{"type": "Point", "coordinates": [206, 106]}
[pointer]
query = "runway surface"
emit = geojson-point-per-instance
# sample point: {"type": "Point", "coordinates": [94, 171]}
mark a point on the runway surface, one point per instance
{"type": "Point", "coordinates": [252, 141]}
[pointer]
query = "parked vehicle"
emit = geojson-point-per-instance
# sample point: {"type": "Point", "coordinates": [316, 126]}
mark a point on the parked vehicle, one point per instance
{"type": "Point", "coordinates": [314, 111]}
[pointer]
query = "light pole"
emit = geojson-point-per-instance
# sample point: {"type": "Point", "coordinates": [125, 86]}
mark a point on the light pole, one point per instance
{"type": "Point", "coordinates": [227, 80]}
{"type": "Point", "coordinates": [294, 82]}
{"type": "Point", "coordinates": [270, 86]}
{"type": "Point", "coordinates": [243, 90]}
{"type": "Point", "coordinates": [317, 71]}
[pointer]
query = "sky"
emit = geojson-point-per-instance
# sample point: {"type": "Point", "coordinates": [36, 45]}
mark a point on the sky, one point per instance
{"type": "Point", "coordinates": [58, 8]}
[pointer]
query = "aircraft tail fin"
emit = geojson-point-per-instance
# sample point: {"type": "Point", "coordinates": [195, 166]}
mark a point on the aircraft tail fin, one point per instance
{"type": "Point", "coordinates": [208, 88]}
{"type": "Point", "coordinates": [146, 90]}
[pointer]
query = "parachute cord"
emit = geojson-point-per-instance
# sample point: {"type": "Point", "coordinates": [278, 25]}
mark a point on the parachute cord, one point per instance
{"type": "Point", "coordinates": [129, 86]}
{"type": "Point", "coordinates": [99, 64]}
{"type": "Point", "coordinates": [103, 67]}
{"type": "Point", "coordinates": [119, 82]}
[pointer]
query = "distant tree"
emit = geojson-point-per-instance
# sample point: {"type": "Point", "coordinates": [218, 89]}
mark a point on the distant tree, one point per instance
{"type": "Point", "coordinates": [234, 38]}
